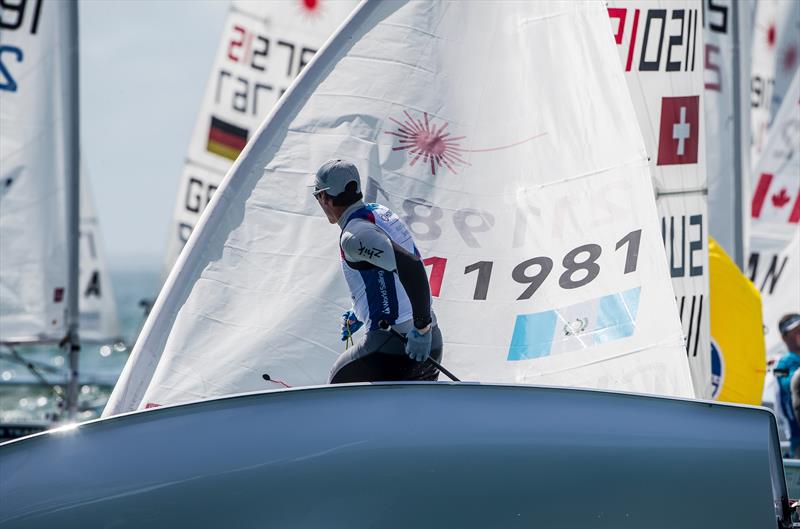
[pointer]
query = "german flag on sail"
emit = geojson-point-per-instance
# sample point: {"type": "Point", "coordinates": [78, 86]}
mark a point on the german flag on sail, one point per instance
{"type": "Point", "coordinates": [225, 139]}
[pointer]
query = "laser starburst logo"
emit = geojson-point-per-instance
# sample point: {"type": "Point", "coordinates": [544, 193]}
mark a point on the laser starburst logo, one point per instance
{"type": "Point", "coordinates": [425, 141]}
{"type": "Point", "coordinates": [310, 9]}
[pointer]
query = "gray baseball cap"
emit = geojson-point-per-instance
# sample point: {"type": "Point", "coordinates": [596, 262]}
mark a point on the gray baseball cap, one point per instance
{"type": "Point", "coordinates": [789, 323]}
{"type": "Point", "coordinates": [334, 175]}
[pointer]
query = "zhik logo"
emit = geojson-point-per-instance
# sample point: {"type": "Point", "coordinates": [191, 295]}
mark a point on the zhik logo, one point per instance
{"type": "Point", "coordinates": [369, 252]}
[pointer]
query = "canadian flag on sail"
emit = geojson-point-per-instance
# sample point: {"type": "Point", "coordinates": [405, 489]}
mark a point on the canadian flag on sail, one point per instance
{"type": "Point", "coordinates": [776, 199]}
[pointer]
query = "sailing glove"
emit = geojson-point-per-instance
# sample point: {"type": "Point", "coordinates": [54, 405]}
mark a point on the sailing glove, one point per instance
{"type": "Point", "coordinates": [418, 346]}
{"type": "Point", "coordinates": [350, 324]}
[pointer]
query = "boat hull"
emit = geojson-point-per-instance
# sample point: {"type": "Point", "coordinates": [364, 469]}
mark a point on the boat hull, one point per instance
{"type": "Point", "coordinates": [400, 456]}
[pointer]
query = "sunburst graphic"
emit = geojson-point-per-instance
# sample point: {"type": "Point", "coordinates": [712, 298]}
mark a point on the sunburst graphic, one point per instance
{"type": "Point", "coordinates": [310, 8]}
{"type": "Point", "coordinates": [424, 140]}
{"type": "Point", "coordinates": [427, 142]}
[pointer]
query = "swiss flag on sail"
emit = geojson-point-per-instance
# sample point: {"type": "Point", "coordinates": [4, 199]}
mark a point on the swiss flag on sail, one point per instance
{"type": "Point", "coordinates": [776, 200]}
{"type": "Point", "coordinates": [679, 130]}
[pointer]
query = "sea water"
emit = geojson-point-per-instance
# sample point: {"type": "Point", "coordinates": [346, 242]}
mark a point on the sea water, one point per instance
{"type": "Point", "coordinates": [28, 396]}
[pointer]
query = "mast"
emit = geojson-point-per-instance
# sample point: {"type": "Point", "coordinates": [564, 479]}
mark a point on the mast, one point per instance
{"type": "Point", "coordinates": [738, 195]}
{"type": "Point", "coordinates": [71, 342]}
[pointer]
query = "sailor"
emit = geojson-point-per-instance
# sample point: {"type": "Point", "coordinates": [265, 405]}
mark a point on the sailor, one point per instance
{"type": "Point", "coordinates": [789, 327]}
{"type": "Point", "coordinates": [388, 286]}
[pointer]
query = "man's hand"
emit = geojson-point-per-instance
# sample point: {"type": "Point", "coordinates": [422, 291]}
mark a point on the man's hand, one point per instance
{"type": "Point", "coordinates": [418, 345]}
{"type": "Point", "coordinates": [350, 324]}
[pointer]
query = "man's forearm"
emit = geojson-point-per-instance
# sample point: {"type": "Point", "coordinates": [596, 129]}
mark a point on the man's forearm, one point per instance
{"type": "Point", "coordinates": [411, 272]}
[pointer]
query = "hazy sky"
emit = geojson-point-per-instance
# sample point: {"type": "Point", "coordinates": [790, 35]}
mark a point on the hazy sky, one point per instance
{"type": "Point", "coordinates": [144, 65]}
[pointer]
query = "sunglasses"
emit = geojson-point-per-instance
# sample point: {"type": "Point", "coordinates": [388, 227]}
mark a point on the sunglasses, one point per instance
{"type": "Point", "coordinates": [318, 192]}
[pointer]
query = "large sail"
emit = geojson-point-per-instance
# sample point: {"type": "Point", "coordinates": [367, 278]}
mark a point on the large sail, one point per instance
{"type": "Point", "coordinates": [99, 322]}
{"type": "Point", "coordinates": [727, 28]}
{"type": "Point", "coordinates": [504, 135]}
{"type": "Point", "coordinates": [34, 96]}
{"type": "Point", "coordinates": [660, 45]}
{"type": "Point", "coordinates": [264, 46]}
{"type": "Point", "coordinates": [774, 264]}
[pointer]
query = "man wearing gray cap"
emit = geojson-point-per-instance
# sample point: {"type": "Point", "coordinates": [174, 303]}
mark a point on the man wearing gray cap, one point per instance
{"type": "Point", "coordinates": [388, 285]}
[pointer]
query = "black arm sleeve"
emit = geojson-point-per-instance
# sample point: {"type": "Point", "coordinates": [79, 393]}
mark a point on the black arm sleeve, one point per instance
{"type": "Point", "coordinates": [412, 276]}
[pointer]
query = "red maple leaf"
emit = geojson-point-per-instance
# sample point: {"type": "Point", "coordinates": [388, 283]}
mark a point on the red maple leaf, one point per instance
{"type": "Point", "coordinates": [771, 35]}
{"type": "Point", "coordinates": [781, 198]}
{"type": "Point", "coordinates": [790, 58]}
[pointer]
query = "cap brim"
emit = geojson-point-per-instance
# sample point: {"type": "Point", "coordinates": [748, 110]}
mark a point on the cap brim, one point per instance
{"type": "Point", "coordinates": [790, 326]}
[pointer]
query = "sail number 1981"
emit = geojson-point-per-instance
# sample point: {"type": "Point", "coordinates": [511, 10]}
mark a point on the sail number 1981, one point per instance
{"type": "Point", "coordinates": [579, 267]}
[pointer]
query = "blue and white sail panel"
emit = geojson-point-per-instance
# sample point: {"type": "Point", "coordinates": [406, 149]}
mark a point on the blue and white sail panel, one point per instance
{"type": "Point", "coordinates": [580, 326]}
{"type": "Point", "coordinates": [34, 94]}
{"type": "Point", "coordinates": [465, 119]}
{"type": "Point", "coordinates": [264, 46]}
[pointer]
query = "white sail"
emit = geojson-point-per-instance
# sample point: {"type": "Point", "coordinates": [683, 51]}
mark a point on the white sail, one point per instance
{"type": "Point", "coordinates": [504, 135]}
{"type": "Point", "coordinates": [34, 96]}
{"type": "Point", "coordinates": [660, 45]}
{"type": "Point", "coordinates": [774, 263]}
{"type": "Point", "coordinates": [264, 46]}
{"type": "Point", "coordinates": [787, 53]}
{"type": "Point", "coordinates": [727, 28]}
{"type": "Point", "coordinates": [775, 57]}
{"type": "Point", "coordinates": [99, 322]}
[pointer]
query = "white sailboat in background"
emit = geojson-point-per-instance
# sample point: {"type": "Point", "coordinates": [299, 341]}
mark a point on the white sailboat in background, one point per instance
{"type": "Point", "coordinates": [775, 57]}
{"type": "Point", "coordinates": [775, 239]}
{"type": "Point", "coordinates": [738, 362]}
{"type": "Point", "coordinates": [727, 31]}
{"type": "Point", "coordinates": [264, 46]}
{"type": "Point", "coordinates": [661, 48]}
{"type": "Point", "coordinates": [99, 321]}
{"type": "Point", "coordinates": [53, 274]}
{"type": "Point", "coordinates": [774, 255]}
{"type": "Point", "coordinates": [37, 117]}
{"type": "Point", "coordinates": [546, 267]}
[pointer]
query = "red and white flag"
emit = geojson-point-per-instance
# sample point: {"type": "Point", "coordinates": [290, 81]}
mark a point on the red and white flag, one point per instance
{"type": "Point", "coordinates": [776, 198]}
{"type": "Point", "coordinates": [679, 130]}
